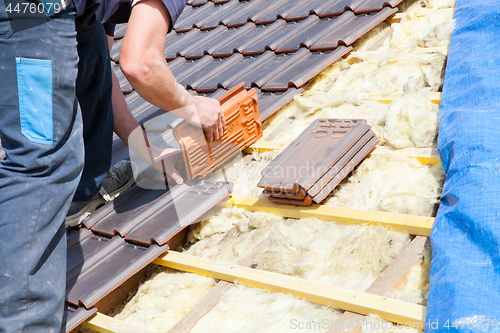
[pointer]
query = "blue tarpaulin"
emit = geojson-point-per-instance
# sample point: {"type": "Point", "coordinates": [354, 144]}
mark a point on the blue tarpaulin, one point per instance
{"type": "Point", "coordinates": [465, 269]}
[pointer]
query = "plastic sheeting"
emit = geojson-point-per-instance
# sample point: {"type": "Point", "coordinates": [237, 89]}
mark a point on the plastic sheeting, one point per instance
{"type": "Point", "coordinates": [465, 270]}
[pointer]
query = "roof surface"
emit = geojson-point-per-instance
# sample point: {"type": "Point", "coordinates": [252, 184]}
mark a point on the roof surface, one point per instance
{"type": "Point", "coordinates": [274, 46]}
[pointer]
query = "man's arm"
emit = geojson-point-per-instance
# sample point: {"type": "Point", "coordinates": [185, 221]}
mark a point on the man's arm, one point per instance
{"type": "Point", "coordinates": [143, 63]}
{"type": "Point", "coordinates": [131, 133]}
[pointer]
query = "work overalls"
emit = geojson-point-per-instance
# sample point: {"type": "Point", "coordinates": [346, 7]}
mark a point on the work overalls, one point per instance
{"type": "Point", "coordinates": [41, 133]}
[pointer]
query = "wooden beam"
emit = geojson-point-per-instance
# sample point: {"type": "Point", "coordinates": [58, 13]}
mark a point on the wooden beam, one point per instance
{"type": "Point", "coordinates": [263, 146]}
{"type": "Point", "coordinates": [105, 324]}
{"type": "Point", "coordinates": [392, 277]}
{"type": "Point", "coordinates": [435, 98]}
{"type": "Point", "coordinates": [215, 294]}
{"type": "Point", "coordinates": [422, 50]}
{"type": "Point", "coordinates": [424, 155]}
{"type": "Point", "coordinates": [415, 225]}
{"type": "Point", "coordinates": [201, 308]}
{"type": "Point", "coordinates": [359, 302]}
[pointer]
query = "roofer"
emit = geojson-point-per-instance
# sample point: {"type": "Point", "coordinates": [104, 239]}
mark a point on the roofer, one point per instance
{"type": "Point", "coordinates": [41, 134]}
{"type": "Point", "coordinates": [143, 63]}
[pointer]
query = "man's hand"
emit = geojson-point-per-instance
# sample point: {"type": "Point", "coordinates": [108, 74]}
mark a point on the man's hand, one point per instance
{"type": "Point", "coordinates": [163, 160]}
{"type": "Point", "coordinates": [167, 161]}
{"type": "Point", "coordinates": [211, 118]}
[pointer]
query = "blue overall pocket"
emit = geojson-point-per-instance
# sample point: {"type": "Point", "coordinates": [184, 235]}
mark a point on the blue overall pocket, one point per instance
{"type": "Point", "coordinates": [34, 86]}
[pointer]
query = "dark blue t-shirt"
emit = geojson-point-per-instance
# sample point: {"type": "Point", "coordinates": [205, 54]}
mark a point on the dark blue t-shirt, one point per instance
{"type": "Point", "coordinates": [111, 12]}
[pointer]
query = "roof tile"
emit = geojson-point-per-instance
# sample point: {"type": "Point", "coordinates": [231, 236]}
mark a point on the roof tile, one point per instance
{"type": "Point", "coordinates": [74, 316]}
{"type": "Point", "coordinates": [322, 143]}
{"type": "Point", "coordinates": [179, 213]}
{"type": "Point", "coordinates": [301, 71]}
{"type": "Point", "coordinates": [243, 127]}
{"type": "Point", "coordinates": [110, 272]}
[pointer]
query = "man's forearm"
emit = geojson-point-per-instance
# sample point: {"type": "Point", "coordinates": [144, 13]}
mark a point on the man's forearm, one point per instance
{"type": "Point", "coordinates": [131, 133]}
{"type": "Point", "coordinates": [143, 63]}
{"type": "Point", "coordinates": [125, 122]}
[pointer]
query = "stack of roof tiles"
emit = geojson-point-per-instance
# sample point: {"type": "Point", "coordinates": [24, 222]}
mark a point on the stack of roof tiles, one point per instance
{"type": "Point", "coordinates": [275, 46]}
{"type": "Point", "coordinates": [243, 127]}
{"type": "Point", "coordinates": [317, 161]}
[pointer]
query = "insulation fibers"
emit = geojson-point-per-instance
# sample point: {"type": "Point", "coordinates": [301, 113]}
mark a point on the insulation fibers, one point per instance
{"type": "Point", "coordinates": [220, 223]}
{"type": "Point", "coordinates": [433, 30]}
{"type": "Point", "coordinates": [418, 5]}
{"type": "Point", "coordinates": [411, 120]}
{"type": "Point", "coordinates": [371, 41]}
{"type": "Point", "coordinates": [386, 73]}
{"type": "Point", "coordinates": [243, 309]}
{"type": "Point", "coordinates": [416, 287]}
{"type": "Point", "coordinates": [392, 184]}
{"type": "Point", "coordinates": [248, 230]}
{"type": "Point", "coordinates": [347, 256]}
{"type": "Point", "coordinates": [164, 299]}
{"type": "Point", "coordinates": [364, 76]}
{"type": "Point", "coordinates": [246, 182]}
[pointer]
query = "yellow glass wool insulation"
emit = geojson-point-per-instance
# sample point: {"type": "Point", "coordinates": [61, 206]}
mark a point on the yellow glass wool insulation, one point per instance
{"type": "Point", "coordinates": [248, 230]}
{"type": "Point", "coordinates": [418, 5]}
{"type": "Point", "coordinates": [393, 184]}
{"type": "Point", "coordinates": [243, 309]}
{"type": "Point", "coordinates": [348, 256]}
{"type": "Point", "coordinates": [375, 39]}
{"type": "Point", "coordinates": [372, 76]}
{"type": "Point", "coordinates": [411, 120]}
{"type": "Point", "coordinates": [246, 182]}
{"type": "Point", "coordinates": [433, 29]}
{"type": "Point", "coordinates": [385, 73]}
{"type": "Point", "coordinates": [164, 299]}
{"type": "Point", "coordinates": [220, 223]}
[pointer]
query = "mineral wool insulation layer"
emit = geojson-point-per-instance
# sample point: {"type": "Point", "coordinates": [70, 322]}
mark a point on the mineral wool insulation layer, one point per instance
{"type": "Point", "coordinates": [409, 61]}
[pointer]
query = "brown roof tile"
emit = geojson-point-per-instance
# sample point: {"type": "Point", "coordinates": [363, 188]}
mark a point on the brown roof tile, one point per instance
{"type": "Point", "coordinates": [107, 274]}
{"type": "Point", "coordinates": [179, 213]}
{"type": "Point", "coordinates": [74, 316]}
{"type": "Point", "coordinates": [344, 172]}
{"type": "Point", "coordinates": [299, 72]}
{"type": "Point", "coordinates": [316, 162]}
{"type": "Point", "coordinates": [88, 252]}
{"type": "Point", "coordinates": [353, 28]}
{"type": "Point", "coordinates": [243, 127]}
{"type": "Point", "coordinates": [271, 101]}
